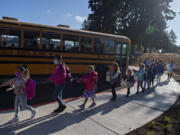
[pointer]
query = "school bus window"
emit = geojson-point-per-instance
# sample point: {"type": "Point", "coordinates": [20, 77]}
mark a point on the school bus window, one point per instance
{"type": "Point", "coordinates": [98, 45]}
{"type": "Point", "coordinates": [124, 49]}
{"type": "Point", "coordinates": [110, 47]}
{"type": "Point", "coordinates": [9, 37]}
{"type": "Point", "coordinates": [1, 42]}
{"type": "Point", "coordinates": [32, 39]}
{"type": "Point", "coordinates": [70, 43]}
{"type": "Point", "coordinates": [51, 41]}
{"type": "Point", "coordinates": [118, 48]}
{"type": "Point", "coordinates": [86, 44]}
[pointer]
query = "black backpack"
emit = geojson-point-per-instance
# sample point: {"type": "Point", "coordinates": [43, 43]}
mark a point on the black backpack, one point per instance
{"type": "Point", "coordinates": [119, 78]}
{"type": "Point", "coordinates": [68, 77]}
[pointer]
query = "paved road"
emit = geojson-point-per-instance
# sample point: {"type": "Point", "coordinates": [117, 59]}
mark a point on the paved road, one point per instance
{"type": "Point", "coordinates": [107, 118]}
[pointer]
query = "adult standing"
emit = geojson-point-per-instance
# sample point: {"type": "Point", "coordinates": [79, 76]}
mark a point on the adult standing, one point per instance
{"type": "Point", "coordinates": [59, 79]}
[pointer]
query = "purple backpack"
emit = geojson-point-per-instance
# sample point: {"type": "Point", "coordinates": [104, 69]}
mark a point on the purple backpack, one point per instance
{"type": "Point", "coordinates": [31, 86]}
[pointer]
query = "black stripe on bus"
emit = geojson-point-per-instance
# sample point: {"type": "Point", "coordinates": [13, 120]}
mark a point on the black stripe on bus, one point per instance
{"type": "Point", "coordinates": [11, 23]}
{"type": "Point", "coordinates": [56, 51]}
{"type": "Point", "coordinates": [71, 63]}
{"type": "Point", "coordinates": [75, 32]}
{"type": "Point", "coordinates": [50, 57]}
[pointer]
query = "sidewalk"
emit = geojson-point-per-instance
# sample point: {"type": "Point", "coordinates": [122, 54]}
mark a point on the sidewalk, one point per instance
{"type": "Point", "coordinates": [107, 118]}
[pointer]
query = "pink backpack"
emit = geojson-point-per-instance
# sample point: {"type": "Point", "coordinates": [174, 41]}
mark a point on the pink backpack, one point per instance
{"type": "Point", "coordinates": [31, 86]}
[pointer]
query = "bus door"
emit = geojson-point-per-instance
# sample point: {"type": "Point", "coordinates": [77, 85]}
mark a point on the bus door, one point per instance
{"type": "Point", "coordinates": [121, 56]}
{"type": "Point", "coordinates": [118, 54]}
{"type": "Point", "coordinates": [124, 57]}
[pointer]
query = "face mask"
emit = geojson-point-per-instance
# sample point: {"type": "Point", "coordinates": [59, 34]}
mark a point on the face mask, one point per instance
{"type": "Point", "coordinates": [17, 74]}
{"type": "Point", "coordinates": [55, 62]}
{"type": "Point", "coordinates": [89, 71]}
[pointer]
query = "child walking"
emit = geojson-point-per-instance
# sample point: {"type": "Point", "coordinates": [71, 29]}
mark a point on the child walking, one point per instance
{"type": "Point", "coordinates": [160, 71]}
{"type": "Point", "coordinates": [148, 77]}
{"type": "Point", "coordinates": [58, 78]}
{"type": "Point", "coordinates": [153, 71]}
{"type": "Point", "coordinates": [129, 81]}
{"type": "Point", "coordinates": [114, 80]}
{"type": "Point", "coordinates": [89, 80]}
{"type": "Point", "coordinates": [170, 67]}
{"type": "Point", "coordinates": [18, 84]}
{"type": "Point", "coordinates": [140, 78]}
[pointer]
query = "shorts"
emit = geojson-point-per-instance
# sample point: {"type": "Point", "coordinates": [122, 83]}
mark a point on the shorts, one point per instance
{"type": "Point", "coordinates": [159, 75]}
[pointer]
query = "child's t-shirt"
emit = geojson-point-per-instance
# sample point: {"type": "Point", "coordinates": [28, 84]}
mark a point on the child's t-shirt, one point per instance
{"type": "Point", "coordinates": [20, 83]}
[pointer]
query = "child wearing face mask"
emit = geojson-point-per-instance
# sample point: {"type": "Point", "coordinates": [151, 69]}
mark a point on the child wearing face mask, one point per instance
{"type": "Point", "coordinates": [18, 84]}
{"type": "Point", "coordinates": [89, 80]}
{"type": "Point", "coordinates": [59, 79]}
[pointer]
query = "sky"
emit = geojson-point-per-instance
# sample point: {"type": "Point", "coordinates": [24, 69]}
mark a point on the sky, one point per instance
{"type": "Point", "coordinates": [66, 12]}
{"type": "Point", "coordinates": [50, 12]}
{"type": "Point", "coordinates": [175, 24]}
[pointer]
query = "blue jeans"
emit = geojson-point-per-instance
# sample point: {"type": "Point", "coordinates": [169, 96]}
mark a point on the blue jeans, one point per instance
{"type": "Point", "coordinates": [146, 82]}
{"type": "Point", "coordinates": [57, 94]}
{"type": "Point", "coordinates": [139, 83]}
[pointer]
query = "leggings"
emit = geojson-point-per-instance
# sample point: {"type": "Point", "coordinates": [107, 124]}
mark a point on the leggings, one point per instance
{"type": "Point", "coordinates": [21, 100]}
{"type": "Point", "coordinates": [169, 75]}
{"type": "Point", "coordinates": [147, 82]}
{"type": "Point", "coordinates": [113, 86]}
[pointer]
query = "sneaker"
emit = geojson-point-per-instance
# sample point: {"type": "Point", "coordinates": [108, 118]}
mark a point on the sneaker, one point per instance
{"type": "Point", "coordinates": [13, 120]}
{"type": "Point", "coordinates": [33, 114]}
{"type": "Point", "coordinates": [92, 105]}
{"type": "Point", "coordinates": [63, 108]}
{"type": "Point", "coordinates": [57, 110]}
{"type": "Point", "coordinates": [143, 90]}
{"type": "Point", "coordinates": [137, 92]}
{"type": "Point", "coordinates": [60, 109]}
{"type": "Point", "coordinates": [128, 94]}
{"type": "Point", "coordinates": [82, 106]}
{"type": "Point", "coordinates": [113, 99]}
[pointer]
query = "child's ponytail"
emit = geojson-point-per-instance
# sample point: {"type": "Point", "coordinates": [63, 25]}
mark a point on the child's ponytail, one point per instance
{"type": "Point", "coordinates": [26, 72]}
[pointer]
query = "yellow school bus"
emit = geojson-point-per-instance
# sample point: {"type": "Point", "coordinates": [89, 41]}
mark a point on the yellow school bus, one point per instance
{"type": "Point", "coordinates": [36, 44]}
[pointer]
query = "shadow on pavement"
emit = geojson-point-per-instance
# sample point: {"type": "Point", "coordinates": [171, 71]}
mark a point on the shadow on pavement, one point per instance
{"type": "Point", "coordinates": [53, 123]}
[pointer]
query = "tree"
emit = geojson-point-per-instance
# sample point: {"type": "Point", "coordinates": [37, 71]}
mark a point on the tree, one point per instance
{"type": "Point", "coordinates": [103, 17]}
{"type": "Point", "coordinates": [172, 36]}
{"type": "Point", "coordinates": [141, 20]}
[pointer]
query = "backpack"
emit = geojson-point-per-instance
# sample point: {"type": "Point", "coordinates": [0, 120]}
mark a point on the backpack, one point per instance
{"type": "Point", "coordinates": [132, 81]}
{"type": "Point", "coordinates": [31, 86]}
{"type": "Point", "coordinates": [68, 77]}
